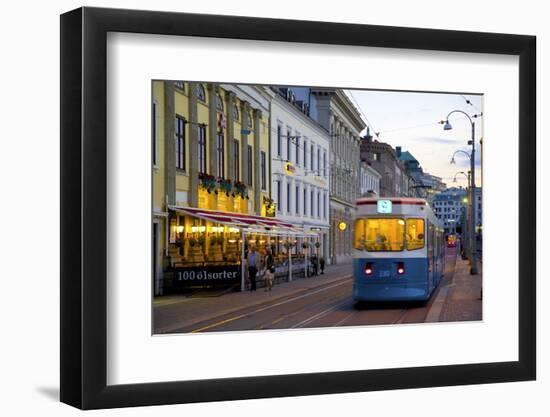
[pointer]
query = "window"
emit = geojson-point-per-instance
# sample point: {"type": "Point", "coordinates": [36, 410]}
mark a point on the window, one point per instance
{"type": "Point", "coordinates": [154, 134]}
{"type": "Point", "coordinates": [235, 112]}
{"type": "Point", "coordinates": [180, 85]}
{"type": "Point", "coordinates": [325, 163]}
{"type": "Point", "coordinates": [236, 160]}
{"type": "Point", "coordinates": [249, 164]}
{"type": "Point", "coordinates": [415, 234]}
{"type": "Point", "coordinates": [201, 93]}
{"type": "Point", "coordinates": [297, 200]}
{"type": "Point", "coordinates": [318, 161]}
{"type": "Point", "coordinates": [202, 148]}
{"type": "Point", "coordinates": [297, 140]}
{"type": "Point", "coordinates": [325, 205]}
{"type": "Point", "coordinates": [379, 235]}
{"type": "Point", "coordinates": [263, 170]}
{"type": "Point", "coordinates": [318, 204]}
{"type": "Point", "coordinates": [220, 154]}
{"type": "Point", "coordinates": [305, 202]}
{"type": "Point", "coordinates": [278, 187]}
{"type": "Point", "coordinates": [288, 142]}
{"type": "Point", "coordinates": [305, 154]}
{"type": "Point", "coordinates": [311, 208]}
{"type": "Point", "coordinates": [219, 103]}
{"type": "Point", "coordinates": [180, 142]}
{"type": "Point", "coordinates": [288, 197]}
{"type": "Point", "coordinates": [279, 141]}
{"type": "Point", "coordinates": [312, 154]}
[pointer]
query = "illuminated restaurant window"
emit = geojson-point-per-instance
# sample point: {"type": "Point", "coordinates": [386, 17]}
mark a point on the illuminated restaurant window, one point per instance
{"type": "Point", "coordinates": [379, 235]}
{"type": "Point", "coordinates": [415, 234]}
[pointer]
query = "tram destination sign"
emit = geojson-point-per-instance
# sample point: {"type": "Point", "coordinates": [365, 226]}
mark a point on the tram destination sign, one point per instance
{"type": "Point", "coordinates": [207, 275]}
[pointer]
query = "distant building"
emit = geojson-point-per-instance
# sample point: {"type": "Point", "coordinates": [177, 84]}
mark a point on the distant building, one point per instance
{"type": "Point", "coordinates": [394, 180]}
{"type": "Point", "coordinates": [369, 180]}
{"type": "Point", "coordinates": [450, 206]}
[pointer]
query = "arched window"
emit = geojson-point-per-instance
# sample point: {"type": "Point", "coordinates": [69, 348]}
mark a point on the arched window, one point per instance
{"type": "Point", "coordinates": [219, 103]}
{"type": "Point", "coordinates": [201, 93]}
{"type": "Point", "coordinates": [235, 112]}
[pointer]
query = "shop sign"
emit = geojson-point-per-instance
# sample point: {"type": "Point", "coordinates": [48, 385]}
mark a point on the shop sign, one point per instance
{"type": "Point", "coordinates": [207, 275]}
{"type": "Point", "coordinates": [290, 168]}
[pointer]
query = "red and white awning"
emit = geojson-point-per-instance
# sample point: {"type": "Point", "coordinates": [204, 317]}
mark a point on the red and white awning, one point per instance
{"type": "Point", "coordinates": [246, 222]}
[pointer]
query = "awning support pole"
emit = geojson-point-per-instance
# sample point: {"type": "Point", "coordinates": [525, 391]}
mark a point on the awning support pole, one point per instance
{"type": "Point", "coordinates": [289, 259]}
{"type": "Point", "coordinates": [305, 257]}
{"type": "Point", "coordinates": [243, 267]}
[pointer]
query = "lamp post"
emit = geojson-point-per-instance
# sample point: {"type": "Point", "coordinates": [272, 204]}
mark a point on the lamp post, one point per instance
{"type": "Point", "coordinates": [448, 126]}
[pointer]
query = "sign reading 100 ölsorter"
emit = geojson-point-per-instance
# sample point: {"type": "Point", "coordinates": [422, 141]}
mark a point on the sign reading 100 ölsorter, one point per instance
{"type": "Point", "coordinates": [207, 275]}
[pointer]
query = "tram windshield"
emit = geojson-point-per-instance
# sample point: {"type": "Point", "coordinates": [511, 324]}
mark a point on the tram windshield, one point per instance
{"type": "Point", "coordinates": [415, 234]}
{"type": "Point", "coordinates": [380, 235]}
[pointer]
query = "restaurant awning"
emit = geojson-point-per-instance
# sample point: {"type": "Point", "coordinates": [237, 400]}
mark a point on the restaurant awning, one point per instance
{"type": "Point", "coordinates": [246, 222]}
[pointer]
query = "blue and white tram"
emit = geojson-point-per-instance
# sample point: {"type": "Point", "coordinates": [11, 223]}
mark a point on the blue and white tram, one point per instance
{"type": "Point", "coordinates": [399, 250]}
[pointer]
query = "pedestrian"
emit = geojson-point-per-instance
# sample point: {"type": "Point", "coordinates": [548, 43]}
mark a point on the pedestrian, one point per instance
{"type": "Point", "coordinates": [322, 265]}
{"type": "Point", "coordinates": [252, 261]}
{"type": "Point", "coordinates": [269, 270]}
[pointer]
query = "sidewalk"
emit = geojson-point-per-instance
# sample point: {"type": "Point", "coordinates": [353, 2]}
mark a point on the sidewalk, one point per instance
{"type": "Point", "coordinates": [463, 301]}
{"type": "Point", "coordinates": [177, 311]}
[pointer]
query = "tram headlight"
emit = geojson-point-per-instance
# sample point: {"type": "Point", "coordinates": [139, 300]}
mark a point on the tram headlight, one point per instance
{"type": "Point", "coordinates": [368, 268]}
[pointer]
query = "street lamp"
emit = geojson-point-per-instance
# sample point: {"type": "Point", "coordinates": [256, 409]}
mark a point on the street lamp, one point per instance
{"type": "Point", "coordinates": [447, 126]}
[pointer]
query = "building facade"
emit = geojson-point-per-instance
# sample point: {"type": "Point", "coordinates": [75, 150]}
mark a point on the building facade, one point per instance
{"type": "Point", "coordinates": [210, 150]}
{"type": "Point", "coordinates": [333, 110]}
{"type": "Point", "coordinates": [450, 206]}
{"type": "Point", "coordinates": [394, 180]}
{"type": "Point", "coordinates": [369, 180]}
{"type": "Point", "coordinates": [300, 169]}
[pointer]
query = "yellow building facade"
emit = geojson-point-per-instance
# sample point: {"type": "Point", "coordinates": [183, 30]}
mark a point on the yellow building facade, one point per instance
{"type": "Point", "coordinates": [210, 150]}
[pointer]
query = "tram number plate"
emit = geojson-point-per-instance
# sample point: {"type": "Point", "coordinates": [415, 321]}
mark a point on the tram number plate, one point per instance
{"type": "Point", "coordinates": [384, 274]}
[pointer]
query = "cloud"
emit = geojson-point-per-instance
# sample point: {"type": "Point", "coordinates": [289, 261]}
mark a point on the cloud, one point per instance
{"type": "Point", "coordinates": [434, 139]}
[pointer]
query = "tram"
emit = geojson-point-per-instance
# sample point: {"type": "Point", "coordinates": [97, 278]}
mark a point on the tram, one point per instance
{"type": "Point", "coordinates": [399, 250]}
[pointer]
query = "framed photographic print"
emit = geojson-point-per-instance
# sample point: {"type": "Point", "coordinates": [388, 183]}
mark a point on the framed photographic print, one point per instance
{"type": "Point", "coordinates": [258, 208]}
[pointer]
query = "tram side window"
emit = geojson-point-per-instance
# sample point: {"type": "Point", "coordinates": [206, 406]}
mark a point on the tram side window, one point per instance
{"type": "Point", "coordinates": [415, 234]}
{"type": "Point", "coordinates": [379, 235]}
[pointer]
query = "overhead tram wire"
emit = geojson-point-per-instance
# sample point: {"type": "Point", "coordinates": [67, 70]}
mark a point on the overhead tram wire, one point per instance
{"type": "Point", "coordinates": [376, 132]}
{"type": "Point", "coordinates": [470, 103]}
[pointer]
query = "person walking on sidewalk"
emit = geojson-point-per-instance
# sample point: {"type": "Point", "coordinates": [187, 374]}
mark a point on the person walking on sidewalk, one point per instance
{"type": "Point", "coordinates": [252, 261]}
{"type": "Point", "coordinates": [269, 271]}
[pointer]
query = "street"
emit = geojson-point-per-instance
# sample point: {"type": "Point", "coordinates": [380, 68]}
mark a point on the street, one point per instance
{"type": "Point", "coordinates": [322, 301]}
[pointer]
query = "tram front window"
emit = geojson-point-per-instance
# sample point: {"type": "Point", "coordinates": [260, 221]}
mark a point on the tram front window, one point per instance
{"type": "Point", "coordinates": [380, 235]}
{"type": "Point", "coordinates": [415, 234]}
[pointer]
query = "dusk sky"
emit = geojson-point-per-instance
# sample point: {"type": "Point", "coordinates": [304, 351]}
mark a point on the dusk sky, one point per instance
{"type": "Point", "coordinates": [410, 120]}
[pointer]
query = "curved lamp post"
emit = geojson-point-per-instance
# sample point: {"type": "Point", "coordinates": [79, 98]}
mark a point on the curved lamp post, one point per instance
{"type": "Point", "coordinates": [447, 126]}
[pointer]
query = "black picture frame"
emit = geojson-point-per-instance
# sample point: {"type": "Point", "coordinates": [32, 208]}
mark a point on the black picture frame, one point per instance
{"type": "Point", "coordinates": [84, 207]}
